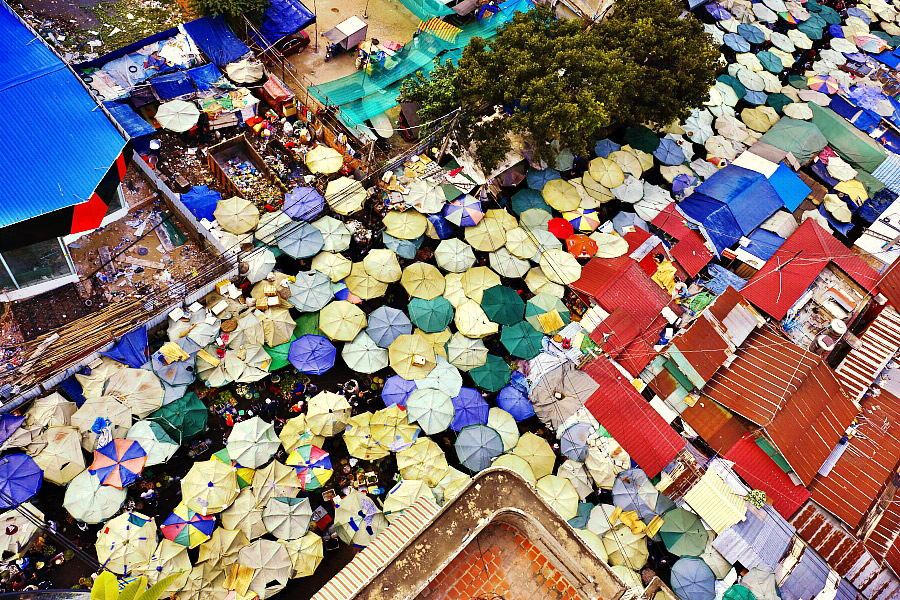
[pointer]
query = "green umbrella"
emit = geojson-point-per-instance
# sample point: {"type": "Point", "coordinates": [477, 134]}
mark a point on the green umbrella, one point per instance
{"type": "Point", "coordinates": [770, 62]}
{"type": "Point", "coordinates": [547, 313]}
{"type": "Point", "coordinates": [778, 102]}
{"type": "Point", "coordinates": [492, 375]}
{"type": "Point", "coordinates": [641, 138]}
{"type": "Point", "coordinates": [683, 533]}
{"type": "Point", "coordinates": [279, 354]}
{"type": "Point", "coordinates": [812, 30]}
{"type": "Point", "coordinates": [521, 340]}
{"type": "Point", "coordinates": [307, 323]}
{"type": "Point", "coordinates": [502, 305]}
{"type": "Point", "coordinates": [736, 85]}
{"type": "Point", "coordinates": [798, 81]}
{"type": "Point", "coordinates": [182, 419]}
{"type": "Point", "coordinates": [831, 16]}
{"type": "Point", "coordinates": [738, 592]}
{"type": "Point", "coordinates": [430, 316]}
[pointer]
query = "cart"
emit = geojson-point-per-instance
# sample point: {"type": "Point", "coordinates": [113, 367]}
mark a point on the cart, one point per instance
{"type": "Point", "coordinates": [346, 35]}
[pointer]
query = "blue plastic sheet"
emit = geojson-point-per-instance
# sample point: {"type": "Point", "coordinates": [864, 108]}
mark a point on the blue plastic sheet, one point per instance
{"type": "Point", "coordinates": [133, 123]}
{"type": "Point", "coordinates": [201, 201]}
{"type": "Point", "coordinates": [763, 244]}
{"type": "Point", "coordinates": [205, 76]}
{"type": "Point", "coordinates": [789, 187]}
{"type": "Point", "coordinates": [172, 85]}
{"type": "Point", "coordinates": [283, 18]}
{"type": "Point", "coordinates": [213, 36]}
{"type": "Point", "coordinates": [722, 278]}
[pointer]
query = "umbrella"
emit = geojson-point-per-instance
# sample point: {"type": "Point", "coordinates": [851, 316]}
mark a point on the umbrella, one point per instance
{"type": "Point", "coordinates": [560, 494]}
{"type": "Point", "coordinates": [521, 243]}
{"type": "Point", "coordinates": [335, 266]}
{"type": "Point", "coordinates": [385, 324]}
{"type": "Point", "coordinates": [717, 11]}
{"type": "Point", "coordinates": [692, 579]}
{"type": "Point", "coordinates": [271, 567]}
{"type": "Point", "coordinates": [303, 203]}
{"type": "Point", "coordinates": [432, 409]}
{"type": "Point", "coordinates": [469, 409]}
{"type": "Point", "coordinates": [259, 264]}
{"type": "Point", "coordinates": [517, 464]}
{"type": "Point", "coordinates": [476, 446]}
{"type": "Point", "coordinates": [465, 211]}
{"type": "Point", "coordinates": [357, 519]}
{"type": "Point", "coordinates": [606, 172]}
{"type": "Point", "coordinates": [493, 374]}
{"type": "Point", "coordinates": [362, 284]}
{"type": "Point", "coordinates": [396, 390]}
{"type": "Point", "coordinates": [633, 491]}
{"type": "Point", "coordinates": [605, 460]}
{"type": "Point", "coordinates": [625, 548]}
{"type": "Point", "coordinates": [561, 195]}
{"type": "Point", "coordinates": [187, 528]}
{"type": "Point", "coordinates": [61, 459]}
{"type": "Point", "coordinates": [391, 428]}
{"type": "Point", "coordinates": [273, 480]}
{"type": "Point", "coordinates": [327, 414]}
{"type": "Point", "coordinates": [341, 320]}
{"type": "Point", "coordinates": [478, 279]}
{"type": "Point", "coordinates": [528, 198]}
{"type": "Point", "coordinates": [335, 234]}
{"type": "Point", "coordinates": [642, 138]}
{"type": "Point", "coordinates": [411, 356]}
{"type": "Point", "coordinates": [573, 443]}
{"type": "Point", "coordinates": [20, 479]}
{"type": "Point", "coordinates": [823, 83]}
{"type": "Point", "coordinates": [273, 226]}
{"type": "Point", "coordinates": [521, 340]}
{"type": "Point", "coordinates": [244, 474]}
{"type": "Point", "coordinates": [422, 280]}
{"type": "Point", "coordinates": [508, 265]}
{"type": "Point", "coordinates": [576, 473]}
{"type": "Point", "coordinates": [296, 429]}
{"type": "Point", "coordinates": [487, 236]}
{"type": "Point", "coordinates": [168, 559]}
{"type": "Point", "coordinates": [182, 419]}
{"type": "Point", "coordinates": [287, 518]}
{"type": "Point", "coordinates": [50, 411]}
{"type": "Point", "coordinates": [363, 355]}
{"type": "Point", "coordinates": [301, 241]}
{"type": "Point", "coordinates": [683, 533]}
{"type": "Point", "coordinates": [547, 314]}
{"type": "Point", "coordinates": [310, 291]}
{"type": "Point", "coordinates": [761, 584]}
{"type": "Point", "coordinates": [466, 353]}
{"type": "Point", "coordinates": [423, 460]}
{"type": "Point", "coordinates": [139, 389]}
{"type": "Point", "coordinates": [236, 215]}
{"type": "Point", "coordinates": [126, 542]}
{"type": "Point", "coordinates": [535, 219]}
{"type": "Point", "coordinates": [403, 495]}
{"type": "Point", "coordinates": [90, 501]}
{"type": "Point", "coordinates": [278, 326]}
{"type": "Point", "coordinates": [454, 255]}
{"type": "Point", "coordinates": [18, 531]}
{"type": "Point", "coordinates": [560, 266]}
{"type": "Point", "coordinates": [515, 401]}
{"type": "Point", "coordinates": [344, 195]}
{"type": "Point", "coordinates": [177, 115]}
{"type": "Point", "coordinates": [118, 463]}
{"type": "Point", "coordinates": [252, 442]}
{"type": "Point", "coordinates": [736, 42]}
{"type": "Point", "coordinates": [537, 179]}
{"type": "Point", "coordinates": [537, 453]}
{"type": "Point", "coordinates": [324, 159]}
{"type": "Point", "coordinates": [313, 466]}
{"type": "Point", "coordinates": [245, 513]}
{"type": "Point", "coordinates": [738, 592]}
{"type": "Point", "coordinates": [306, 554]}
{"type": "Point", "coordinates": [502, 305]}
{"type": "Point", "coordinates": [751, 33]}
{"type": "Point", "coordinates": [668, 153]}
{"type": "Point", "coordinates": [444, 377]}
{"type": "Point", "coordinates": [430, 316]}
{"type": "Point", "coordinates": [503, 423]}
{"type": "Point", "coordinates": [382, 264]}
{"type": "Point", "coordinates": [403, 248]}
{"type": "Point", "coordinates": [405, 225]}
{"type": "Point", "coordinates": [359, 440]}
{"type": "Point", "coordinates": [209, 487]}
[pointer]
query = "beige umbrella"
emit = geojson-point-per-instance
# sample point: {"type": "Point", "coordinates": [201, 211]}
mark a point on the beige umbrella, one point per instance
{"type": "Point", "coordinates": [140, 389]}
{"type": "Point", "coordinates": [324, 159]}
{"type": "Point", "coordinates": [609, 245]}
{"type": "Point", "coordinates": [306, 554]}
{"type": "Point", "coordinates": [560, 393]}
{"type": "Point", "coordinates": [169, 558]}
{"type": "Point", "coordinates": [296, 428]}
{"type": "Point", "coordinates": [50, 411]}
{"type": "Point", "coordinates": [177, 115]}
{"type": "Point", "coordinates": [488, 235]}
{"type": "Point", "coordinates": [403, 495]}
{"type": "Point", "coordinates": [259, 264]}
{"type": "Point", "coordinates": [222, 547]}
{"type": "Point", "coordinates": [360, 441]}
{"type": "Point", "coordinates": [126, 543]}
{"type": "Point", "coordinates": [600, 517]}
{"type": "Point", "coordinates": [345, 196]}
{"type": "Point", "coordinates": [358, 520]}
{"type": "Point", "coordinates": [271, 566]}
{"type": "Point", "coordinates": [798, 110]}
{"type": "Point", "coordinates": [628, 162]}
{"type": "Point", "coordinates": [236, 215]}
{"type": "Point", "coordinates": [438, 340]}
{"type": "Point", "coordinates": [505, 220]}
{"type": "Point", "coordinates": [252, 442]}
{"type": "Point", "coordinates": [423, 460]}
{"type": "Point", "coordinates": [521, 243]}
{"type": "Point", "coordinates": [244, 515]}
{"type": "Point", "coordinates": [605, 460]}
{"type": "Point", "coordinates": [341, 320]}
{"type": "Point", "coordinates": [837, 208]}
{"type": "Point", "coordinates": [204, 582]}
{"type": "Point", "coordinates": [560, 494]}
{"type": "Point", "coordinates": [505, 425]}
{"type": "Point", "coordinates": [760, 118]}
{"type": "Point", "coordinates": [336, 266]}
{"type": "Point", "coordinates": [335, 234]}
{"type": "Point", "coordinates": [577, 474]}
{"type": "Point", "coordinates": [535, 219]}
{"type": "Point", "coordinates": [561, 195]}
{"type": "Point", "coordinates": [92, 385]}
{"type": "Point", "coordinates": [454, 255]}
{"type": "Point", "coordinates": [595, 542]}
{"type": "Point", "coordinates": [278, 326]}
{"type": "Point", "coordinates": [382, 264]}
{"type": "Point", "coordinates": [453, 289]}
{"type": "Point", "coordinates": [272, 226]}
{"type": "Point", "coordinates": [209, 487]}
{"type": "Point", "coordinates": [625, 548]}
{"type": "Point", "coordinates": [595, 190]}
{"type": "Point", "coordinates": [61, 460]}
{"type": "Point", "coordinates": [537, 453]}
{"type": "Point", "coordinates": [361, 283]}
{"type": "Point", "coordinates": [451, 485]}
{"type": "Point", "coordinates": [478, 279]}
{"type": "Point", "coordinates": [518, 464]}
{"type": "Point", "coordinates": [506, 264]}
{"type": "Point", "coordinates": [425, 197]}
{"type": "Point", "coordinates": [88, 500]}
{"type": "Point", "coordinates": [411, 356]}
{"type": "Point", "coordinates": [606, 172]}
{"type": "Point", "coordinates": [545, 241]}
{"type": "Point", "coordinates": [560, 266]}
{"type": "Point", "coordinates": [422, 280]}
{"type": "Point", "coordinates": [17, 532]}
{"type": "Point", "coordinates": [274, 480]}
{"type": "Point", "coordinates": [472, 322]}
{"type": "Point", "coordinates": [466, 353]}
{"type": "Point", "coordinates": [287, 518]}
{"type": "Point", "coordinates": [405, 225]}
{"type": "Point", "coordinates": [104, 407]}
{"type": "Point", "coordinates": [327, 414]}
{"type": "Point", "coordinates": [538, 283]}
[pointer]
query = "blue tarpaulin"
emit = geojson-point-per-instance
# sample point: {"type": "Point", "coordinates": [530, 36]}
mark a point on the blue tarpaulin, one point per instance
{"type": "Point", "coordinates": [213, 36]}
{"type": "Point", "coordinates": [763, 243]}
{"type": "Point", "coordinates": [201, 201]}
{"type": "Point", "coordinates": [205, 76]}
{"type": "Point", "coordinates": [72, 389]}
{"type": "Point", "coordinates": [124, 51]}
{"type": "Point", "coordinates": [789, 187]}
{"type": "Point", "coordinates": [133, 123]}
{"type": "Point", "coordinates": [172, 85]}
{"type": "Point", "coordinates": [283, 18]}
{"type": "Point", "coordinates": [131, 349]}
{"type": "Point", "coordinates": [722, 278]}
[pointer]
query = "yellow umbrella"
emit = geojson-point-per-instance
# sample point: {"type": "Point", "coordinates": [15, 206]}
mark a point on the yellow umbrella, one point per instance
{"type": "Point", "coordinates": [169, 558]}
{"type": "Point", "coordinates": [391, 428]}
{"type": "Point", "coordinates": [359, 439]}
{"type": "Point", "coordinates": [535, 218]}
{"type": "Point", "coordinates": [560, 494]}
{"type": "Point", "coordinates": [538, 283]}
{"type": "Point", "coordinates": [560, 266]}
{"type": "Point", "coordinates": [341, 320]}
{"type": "Point", "coordinates": [411, 356]}
{"type": "Point", "coordinates": [628, 162]}
{"type": "Point", "coordinates": [503, 218]}
{"type": "Point", "coordinates": [855, 189]}
{"type": "Point", "coordinates": [364, 285]}
{"type": "Point", "coordinates": [438, 340]}
{"type": "Point", "coordinates": [595, 542]}
{"type": "Point", "coordinates": [517, 464]}
{"type": "Point", "coordinates": [644, 159]}
{"type": "Point", "coordinates": [521, 243]}
{"type": "Point", "coordinates": [306, 554]}
{"type": "Point", "coordinates": [327, 414]}
{"type": "Point", "coordinates": [422, 280]}
{"type": "Point", "coordinates": [472, 322]}
{"type": "Point", "coordinates": [625, 548]}
{"type": "Point", "coordinates": [278, 326]}
{"type": "Point", "coordinates": [759, 118]}
{"type": "Point", "coordinates": [345, 196]}
{"type": "Point", "coordinates": [453, 289]}
{"type": "Point", "coordinates": [236, 215]}
{"type": "Point", "coordinates": [423, 460]}
{"type": "Point", "coordinates": [405, 225]}
{"type": "Point", "coordinates": [537, 453]}
{"type": "Point", "coordinates": [324, 159]}
{"type": "Point", "coordinates": [336, 266]}
{"type": "Point", "coordinates": [609, 245]}
{"type": "Point", "coordinates": [403, 495]}
{"type": "Point", "coordinates": [605, 172]}
{"type": "Point", "coordinates": [561, 195]}
{"type": "Point", "coordinates": [296, 428]}
{"type": "Point", "coordinates": [275, 480]}
{"type": "Point", "coordinates": [222, 545]}
{"type": "Point", "coordinates": [476, 280]}
{"type": "Point", "coordinates": [504, 424]}
{"type": "Point", "coordinates": [205, 581]}
{"type": "Point", "coordinates": [382, 264]}
{"type": "Point", "coordinates": [599, 193]}
{"type": "Point", "coordinates": [488, 235]}
{"type": "Point", "coordinates": [209, 487]}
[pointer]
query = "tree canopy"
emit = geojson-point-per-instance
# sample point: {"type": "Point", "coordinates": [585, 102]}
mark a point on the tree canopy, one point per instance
{"type": "Point", "coordinates": [231, 8]}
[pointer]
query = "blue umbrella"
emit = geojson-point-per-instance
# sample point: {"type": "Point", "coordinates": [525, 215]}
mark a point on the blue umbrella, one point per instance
{"type": "Point", "coordinates": [669, 152]}
{"type": "Point", "coordinates": [573, 441]}
{"type": "Point", "coordinates": [20, 479]}
{"type": "Point", "coordinates": [855, 12]}
{"type": "Point", "coordinates": [836, 30]}
{"type": "Point", "coordinates": [312, 354]}
{"type": "Point", "coordinates": [8, 425]}
{"type": "Point", "coordinates": [180, 372]}
{"type": "Point", "coordinates": [605, 147]}
{"type": "Point", "coordinates": [536, 180]}
{"type": "Point", "coordinates": [403, 248]}
{"type": "Point", "coordinates": [717, 11]}
{"type": "Point", "coordinates": [754, 97]}
{"type": "Point", "coordinates": [682, 182]}
{"type": "Point", "coordinates": [310, 291]}
{"type": "Point", "coordinates": [442, 228]}
{"type": "Point", "coordinates": [632, 490]}
{"type": "Point", "coordinates": [131, 349]}
{"type": "Point", "coordinates": [623, 220]}
{"type": "Point", "coordinates": [751, 33]}
{"type": "Point", "coordinates": [692, 579]}
{"type": "Point", "coordinates": [396, 390]}
{"type": "Point", "coordinates": [386, 324]}
{"type": "Point", "coordinates": [465, 211]}
{"type": "Point", "coordinates": [514, 401]}
{"type": "Point", "coordinates": [736, 42]}
{"type": "Point", "coordinates": [302, 242]}
{"type": "Point", "coordinates": [477, 445]}
{"type": "Point", "coordinates": [303, 203]}
{"type": "Point", "coordinates": [528, 198]}
{"type": "Point", "coordinates": [471, 409]}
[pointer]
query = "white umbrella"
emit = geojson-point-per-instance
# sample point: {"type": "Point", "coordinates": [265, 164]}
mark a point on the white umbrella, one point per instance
{"type": "Point", "coordinates": [252, 443]}
{"type": "Point", "coordinates": [508, 265]}
{"type": "Point", "coordinates": [363, 355]}
{"type": "Point", "coordinates": [139, 389]}
{"type": "Point", "coordinates": [631, 191]}
{"type": "Point", "coordinates": [444, 377]}
{"type": "Point", "coordinates": [17, 531]}
{"type": "Point", "coordinates": [454, 255]}
{"type": "Point", "coordinates": [271, 566]}
{"type": "Point", "coordinates": [259, 263]}
{"type": "Point", "coordinates": [287, 518]}
{"type": "Point", "coordinates": [88, 500]}
{"type": "Point", "coordinates": [177, 115]}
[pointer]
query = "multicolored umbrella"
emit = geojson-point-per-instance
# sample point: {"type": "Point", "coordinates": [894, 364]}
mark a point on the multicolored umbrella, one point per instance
{"type": "Point", "coordinates": [186, 527]}
{"type": "Point", "coordinates": [823, 83]}
{"type": "Point", "coordinates": [118, 463]}
{"type": "Point", "coordinates": [313, 466]}
{"type": "Point", "coordinates": [465, 211]}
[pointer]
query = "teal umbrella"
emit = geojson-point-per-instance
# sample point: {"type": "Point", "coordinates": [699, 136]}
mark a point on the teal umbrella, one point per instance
{"type": "Point", "coordinates": [431, 316]}
{"type": "Point", "coordinates": [492, 375]}
{"type": "Point", "coordinates": [683, 533]}
{"type": "Point", "coordinates": [502, 305]}
{"type": "Point", "coordinates": [812, 30]}
{"type": "Point", "coordinates": [770, 62]}
{"type": "Point", "coordinates": [542, 312]}
{"type": "Point", "coordinates": [182, 419]}
{"type": "Point", "coordinates": [522, 340]}
{"type": "Point", "coordinates": [738, 592]}
{"type": "Point", "coordinates": [279, 355]}
{"type": "Point", "coordinates": [528, 198]}
{"type": "Point", "coordinates": [778, 102]}
{"type": "Point", "coordinates": [736, 85]}
{"type": "Point", "coordinates": [641, 138]}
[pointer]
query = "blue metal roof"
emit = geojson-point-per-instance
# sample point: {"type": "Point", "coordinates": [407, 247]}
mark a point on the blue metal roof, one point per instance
{"type": "Point", "coordinates": [56, 143]}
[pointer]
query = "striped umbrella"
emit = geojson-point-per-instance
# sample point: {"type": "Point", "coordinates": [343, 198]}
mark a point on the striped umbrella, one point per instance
{"type": "Point", "coordinates": [186, 527]}
{"type": "Point", "coordinates": [118, 463]}
{"type": "Point", "coordinates": [440, 29]}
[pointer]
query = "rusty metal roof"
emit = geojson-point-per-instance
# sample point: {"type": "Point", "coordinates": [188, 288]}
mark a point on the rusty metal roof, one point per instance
{"type": "Point", "coordinates": [703, 346]}
{"type": "Point", "coordinates": [691, 253]}
{"type": "Point", "coordinates": [882, 542]}
{"type": "Point", "coordinates": [716, 425]}
{"type": "Point", "coordinates": [880, 342]}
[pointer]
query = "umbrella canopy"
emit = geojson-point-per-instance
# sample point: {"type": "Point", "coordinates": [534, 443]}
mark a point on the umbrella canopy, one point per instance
{"type": "Point", "coordinates": [334, 232]}
{"type": "Point", "coordinates": [296, 429]}
{"type": "Point", "coordinates": [403, 495]}
{"type": "Point", "coordinates": [517, 464]}
{"type": "Point", "coordinates": [177, 115]}
{"type": "Point", "coordinates": [310, 291]}
{"type": "Point", "coordinates": [538, 283]}
{"type": "Point", "coordinates": [50, 411]}
{"type": "Point", "coordinates": [327, 413]}
{"type": "Point", "coordinates": [487, 236]}
{"type": "Point", "coordinates": [324, 159]}
{"type": "Point", "coordinates": [278, 326]}
{"type": "Point", "coordinates": [183, 419]}
{"type": "Point", "coordinates": [692, 579]}
{"type": "Point", "coordinates": [537, 453]}
{"type": "Point", "coordinates": [430, 316]}
{"type": "Point", "coordinates": [492, 375]}
{"type": "Point", "coordinates": [61, 459]}
{"type": "Point", "coordinates": [454, 255]}
{"type": "Point", "coordinates": [357, 519]}
{"type": "Point", "coordinates": [271, 565]}
{"type": "Point", "coordinates": [17, 531]}
{"type": "Point", "coordinates": [576, 473]}
{"type": "Point", "coordinates": [363, 355]}
{"type": "Point", "coordinates": [306, 554]}
{"type": "Point", "coordinates": [536, 179]}
{"type": "Point", "coordinates": [187, 528]}
{"type": "Point", "coordinates": [273, 480]}
{"type": "Point", "coordinates": [515, 401]}
{"type": "Point", "coordinates": [259, 264]}
{"type": "Point", "coordinates": [168, 559]}
{"type": "Point", "coordinates": [547, 314]}
{"type": "Point", "coordinates": [273, 226]}
{"type": "Point", "coordinates": [252, 442]}
{"type": "Point", "coordinates": [344, 195]}
{"type": "Point", "coordinates": [761, 584]}
{"type": "Point", "coordinates": [313, 466]}
{"type": "Point", "coordinates": [559, 393]}
{"type": "Point", "coordinates": [521, 243]}
{"type": "Point", "coordinates": [478, 279]}
{"type": "Point", "coordinates": [303, 203]}
{"type": "Point", "coordinates": [118, 463]}
{"type": "Point", "coordinates": [359, 439]}
{"type": "Point", "coordinates": [405, 225]}
{"type": "Point", "coordinates": [382, 264]}
{"type": "Point", "coordinates": [560, 227]}
{"type": "Point", "coordinates": [625, 548]}
{"type": "Point", "coordinates": [683, 533]}
{"type": "Point", "coordinates": [507, 264]}
{"type": "Point", "coordinates": [385, 324]}
{"type": "Point", "coordinates": [444, 376]}
{"type": "Point", "coordinates": [465, 211]}
{"type": "Point", "coordinates": [391, 428]}
{"type": "Point", "coordinates": [422, 280]}
{"type": "Point", "coordinates": [738, 592]}
{"type": "Point", "coordinates": [502, 305]}
{"type": "Point", "coordinates": [477, 445]}
{"type": "Point", "coordinates": [126, 542]}
{"type": "Point", "coordinates": [605, 460]}
{"type": "Point", "coordinates": [503, 423]}
{"type": "Point", "coordinates": [244, 474]}
{"type": "Point", "coordinates": [139, 389]}
{"type": "Point", "coordinates": [606, 172]}
{"type": "Point", "coordinates": [301, 241]}
{"type": "Point", "coordinates": [236, 215]}
{"type": "Point", "coordinates": [535, 219]}
{"type": "Point", "coordinates": [528, 198]}
{"type": "Point", "coordinates": [469, 409]}
{"type": "Point", "coordinates": [466, 353]}
{"type": "Point", "coordinates": [560, 494]}
{"type": "Point", "coordinates": [633, 491]}
{"type": "Point", "coordinates": [20, 479]}
{"type": "Point", "coordinates": [245, 513]}
{"type": "Point", "coordinates": [287, 518]}
{"type": "Point", "coordinates": [209, 487]}
{"type": "Point", "coordinates": [411, 356]}
{"type": "Point", "coordinates": [432, 409]}
{"type": "Point", "coordinates": [561, 195]}
{"type": "Point", "coordinates": [573, 442]}
{"type": "Point", "coordinates": [521, 340]}
{"type": "Point", "coordinates": [90, 501]}
{"type": "Point", "coordinates": [560, 266]}
{"type": "Point", "coordinates": [335, 266]}
{"type": "Point", "coordinates": [425, 197]}
{"type": "Point", "coordinates": [341, 320]}
{"type": "Point", "coordinates": [423, 460]}
{"type": "Point", "coordinates": [396, 390]}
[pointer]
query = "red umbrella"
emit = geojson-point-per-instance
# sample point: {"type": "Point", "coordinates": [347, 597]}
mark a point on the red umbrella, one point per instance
{"type": "Point", "coordinates": [581, 246]}
{"type": "Point", "coordinates": [560, 228]}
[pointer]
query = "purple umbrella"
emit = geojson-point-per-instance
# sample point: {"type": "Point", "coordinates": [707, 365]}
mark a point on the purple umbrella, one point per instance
{"type": "Point", "coordinates": [465, 211]}
{"type": "Point", "coordinates": [471, 409]}
{"type": "Point", "coordinates": [312, 354]}
{"type": "Point", "coordinates": [20, 479]}
{"type": "Point", "coordinates": [681, 182]}
{"type": "Point", "coordinates": [514, 401]}
{"type": "Point", "coordinates": [303, 203]}
{"type": "Point", "coordinates": [717, 11]}
{"type": "Point", "coordinates": [8, 426]}
{"type": "Point", "coordinates": [396, 390]}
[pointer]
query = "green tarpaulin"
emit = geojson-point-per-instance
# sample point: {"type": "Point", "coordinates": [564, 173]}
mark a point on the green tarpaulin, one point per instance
{"type": "Point", "coordinates": [850, 143]}
{"type": "Point", "coordinates": [800, 138]}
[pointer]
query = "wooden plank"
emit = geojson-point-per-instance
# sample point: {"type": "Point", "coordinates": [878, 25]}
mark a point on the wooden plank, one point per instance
{"type": "Point", "coordinates": [161, 233]}
{"type": "Point", "coordinates": [140, 262]}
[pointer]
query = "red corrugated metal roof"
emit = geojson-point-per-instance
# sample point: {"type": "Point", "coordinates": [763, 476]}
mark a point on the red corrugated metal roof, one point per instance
{"type": "Point", "coordinates": [716, 425]}
{"type": "Point", "coordinates": [704, 346]}
{"type": "Point", "coordinates": [598, 273]}
{"type": "Point", "coordinates": [638, 354]}
{"type": "Point", "coordinates": [691, 253]}
{"type": "Point", "coordinates": [630, 419]}
{"type": "Point", "coordinates": [759, 470]}
{"type": "Point", "coordinates": [622, 331]}
{"type": "Point", "coordinates": [793, 268]}
{"type": "Point", "coordinates": [725, 303]}
{"type": "Point", "coordinates": [672, 222]}
{"type": "Point", "coordinates": [890, 284]}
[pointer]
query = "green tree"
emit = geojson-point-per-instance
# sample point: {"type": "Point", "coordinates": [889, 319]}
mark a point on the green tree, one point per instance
{"type": "Point", "coordinates": [231, 8]}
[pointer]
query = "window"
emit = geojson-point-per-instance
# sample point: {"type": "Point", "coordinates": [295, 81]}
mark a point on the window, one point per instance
{"type": "Point", "coordinates": [35, 263]}
{"type": "Point", "coordinates": [117, 202]}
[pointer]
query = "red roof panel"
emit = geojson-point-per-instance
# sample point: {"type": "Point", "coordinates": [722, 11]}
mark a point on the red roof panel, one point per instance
{"type": "Point", "coordinates": [621, 329]}
{"type": "Point", "coordinates": [672, 222]}
{"type": "Point", "coordinates": [691, 253]}
{"type": "Point", "coordinates": [704, 346]}
{"type": "Point", "coordinates": [718, 427]}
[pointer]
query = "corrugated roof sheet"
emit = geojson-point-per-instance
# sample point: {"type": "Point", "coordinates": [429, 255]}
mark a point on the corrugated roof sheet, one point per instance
{"type": "Point", "coordinates": [691, 253]}
{"type": "Point", "coordinates": [889, 285]}
{"type": "Point", "coordinates": [761, 472]}
{"type": "Point", "coordinates": [685, 474]}
{"type": "Point", "coordinates": [672, 222]}
{"type": "Point", "coordinates": [716, 425]}
{"type": "Point", "coordinates": [715, 502]}
{"type": "Point", "coordinates": [701, 349]}
{"type": "Point", "coordinates": [639, 429]}
{"type": "Point", "coordinates": [806, 579]}
{"type": "Point", "coordinates": [759, 541]}
{"type": "Point", "coordinates": [861, 366]}
{"type": "Point", "coordinates": [883, 541]}
{"type": "Point", "coordinates": [61, 165]}
{"type": "Point", "coordinates": [841, 550]}
{"type": "Point", "coordinates": [797, 263]}
{"type": "Point", "coordinates": [620, 329]}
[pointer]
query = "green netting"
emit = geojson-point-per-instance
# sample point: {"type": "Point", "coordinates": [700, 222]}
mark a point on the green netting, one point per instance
{"type": "Point", "coordinates": [425, 9]}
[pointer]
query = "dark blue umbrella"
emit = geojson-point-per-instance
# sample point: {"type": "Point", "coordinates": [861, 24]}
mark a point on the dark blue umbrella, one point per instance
{"type": "Point", "coordinates": [717, 11]}
{"type": "Point", "coordinates": [131, 349]}
{"type": "Point", "coordinates": [396, 390]}
{"type": "Point", "coordinates": [682, 182]}
{"type": "Point", "coordinates": [514, 401]}
{"type": "Point", "coordinates": [605, 147]}
{"type": "Point", "coordinates": [312, 354]}
{"type": "Point", "coordinates": [528, 198]}
{"type": "Point", "coordinates": [573, 442]}
{"type": "Point", "coordinates": [442, 227]}
{"type": "Point", "coordinates": [471, 409]}
{"type": "Point", "coordinates": [692, 579]}
{"type": "Point", "coordinates": [403, 248]}
{"type": "Point", "coordinates": [736, 42]}
{"type": "Point", "coordinates": [836, 30]}
{"type": "Point", "coordinates": [751, 33]}
{"type": "Point", "coordinates": [303, 203]}
{"type": "Point", "coordinates": [538, 179]}
{"type": "Point", "coordinates": [8, 425]}
{"type": "Point", "coordinates": [669, 152]}
{"type": "Point", "coordinates": [20, 479]}
{"type": "Point", "coordinates": [477, 445]}
{"type": "Point", "coordinates": [386, 324]}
